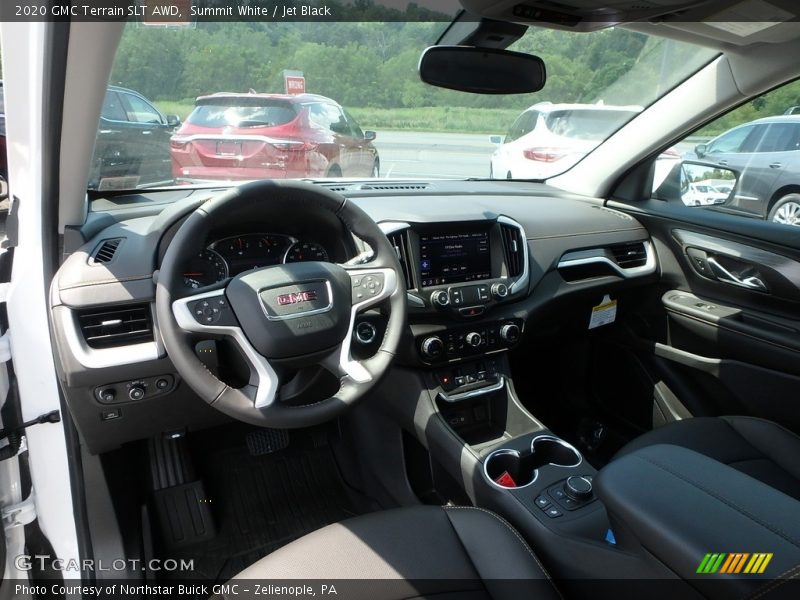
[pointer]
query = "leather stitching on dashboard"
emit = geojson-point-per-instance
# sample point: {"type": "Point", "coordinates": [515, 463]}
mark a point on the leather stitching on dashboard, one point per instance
{"type": "Point", "coordinates": [779, 581]}
{"type": "Point", "coordinates": [106, 281]}
{"type": "Point", "coordinates": [516, 534]}
{"type": "Point", "coordinates": [776, 530]}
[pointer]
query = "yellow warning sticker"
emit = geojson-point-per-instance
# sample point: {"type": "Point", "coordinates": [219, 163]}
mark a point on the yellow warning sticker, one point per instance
{"type": "Point", "coordinates": [604, 313]}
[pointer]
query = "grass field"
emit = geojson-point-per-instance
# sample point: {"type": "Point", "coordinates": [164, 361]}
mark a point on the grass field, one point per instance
{"type": "Point", "coordinates": [435, 119]}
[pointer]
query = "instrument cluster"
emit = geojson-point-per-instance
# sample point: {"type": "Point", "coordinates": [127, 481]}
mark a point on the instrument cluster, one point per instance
{"type": "Point", "coordinates": [229, 256]}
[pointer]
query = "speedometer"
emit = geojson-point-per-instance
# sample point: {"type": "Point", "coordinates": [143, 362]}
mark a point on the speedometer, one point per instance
{"type": "Point", "coordinates": [305, 251]}
{"type": "Point", "coordinates": [204, 269]}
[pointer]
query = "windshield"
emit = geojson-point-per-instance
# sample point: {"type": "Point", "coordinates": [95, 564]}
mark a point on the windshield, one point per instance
{"type": "Point", "coordinates": [238, 101]}
{"type": "Point", "coordinates": [588, 124]}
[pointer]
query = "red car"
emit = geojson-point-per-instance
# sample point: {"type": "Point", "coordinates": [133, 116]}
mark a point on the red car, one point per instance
{"type": "Point", "coordinates": [258, 136]}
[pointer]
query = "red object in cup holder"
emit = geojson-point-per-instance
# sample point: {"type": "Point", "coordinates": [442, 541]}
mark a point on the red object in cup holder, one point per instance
{"type": "Point", "coordinates": [506, 480]}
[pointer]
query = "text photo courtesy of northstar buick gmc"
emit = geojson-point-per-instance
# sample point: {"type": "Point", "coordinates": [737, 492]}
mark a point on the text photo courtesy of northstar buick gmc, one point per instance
{"type": "Point", "coordinates": [268, 327]}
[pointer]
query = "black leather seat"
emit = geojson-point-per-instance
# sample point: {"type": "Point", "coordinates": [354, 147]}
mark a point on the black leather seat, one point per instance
{"type": "Point", "coordinates": [426, 551]}
{"type": "Point", "coordinates": [761, 449]}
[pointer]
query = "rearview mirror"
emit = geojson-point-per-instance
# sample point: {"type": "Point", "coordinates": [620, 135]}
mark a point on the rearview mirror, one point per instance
{"type": "Point", "coordinates": [703, 184]}
{"type": "Point", "coordinates": [370, 135]}
{"type": "Point", "coordinates": [173, 121]}
{"type": "Point", "coordinates": [700, 150]}
{"type": "Point", "coordinates": [482, 70]}
{"type": "Point", "coordinates": [496, 139]}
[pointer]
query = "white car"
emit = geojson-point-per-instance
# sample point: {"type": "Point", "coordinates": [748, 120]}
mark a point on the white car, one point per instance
{"type": "Point", "coordinates": [547, 139]}
{"type": "Point", "coordinates": [704, 194]}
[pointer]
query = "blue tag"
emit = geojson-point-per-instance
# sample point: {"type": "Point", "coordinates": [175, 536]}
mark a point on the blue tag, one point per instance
{"type": "Point", "coordinates": [610, 539]}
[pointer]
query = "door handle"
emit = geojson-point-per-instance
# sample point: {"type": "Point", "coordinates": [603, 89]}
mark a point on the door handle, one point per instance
{"type": "Point", "coordinates": [722, 163]}
{"type": "Point", "coordinates": [776, 165]}
{"type": "Point", "coordinates": [751, 282]}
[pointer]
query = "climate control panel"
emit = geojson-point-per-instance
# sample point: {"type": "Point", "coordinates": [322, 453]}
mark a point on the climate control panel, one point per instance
{"type": "Point", "coordinates": [469, 341]}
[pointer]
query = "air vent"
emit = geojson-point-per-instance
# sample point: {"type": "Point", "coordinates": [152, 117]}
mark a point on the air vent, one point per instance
{"type": "Point", "coordinates": [513, 250]}
{"type": "Point", "coordinates": [399, 240]}
{"type": "Point", "coordinates": [395, 186]}
{"type": "Point", "coordinates": [104, 253]}
{"type": "Point", "coordinates": [116, 326]}
{"type": "Point", "coordinates": [629, 256]}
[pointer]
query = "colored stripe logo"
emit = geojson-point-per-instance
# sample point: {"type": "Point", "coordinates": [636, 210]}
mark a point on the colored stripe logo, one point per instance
{"type": "Point", "coordinates": [734, 563]}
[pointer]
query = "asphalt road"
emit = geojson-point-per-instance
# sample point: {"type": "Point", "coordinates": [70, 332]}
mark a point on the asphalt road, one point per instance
{"type": "Point", "coordinates": [441, 155]}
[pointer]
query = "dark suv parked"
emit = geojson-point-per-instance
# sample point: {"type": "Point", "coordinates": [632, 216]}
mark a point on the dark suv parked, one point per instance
{"type": "Point", "coordinates": [132, 147]}
{"type": "Point", "coordinates": [766, 152]}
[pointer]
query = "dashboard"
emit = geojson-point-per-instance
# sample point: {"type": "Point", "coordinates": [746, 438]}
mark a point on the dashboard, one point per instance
{"type": "Point", "coordinates": [232, 255]}
{"type": "Point", "coordinates": [484, 264]}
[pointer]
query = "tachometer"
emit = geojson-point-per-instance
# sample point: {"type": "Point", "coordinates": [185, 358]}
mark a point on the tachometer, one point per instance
{"type": "Point", "coordinates": [305, 251]}
{"type": "Point", "coordinates": [237, 246]}
{"type": "Point", "coordinates": [205, 268]}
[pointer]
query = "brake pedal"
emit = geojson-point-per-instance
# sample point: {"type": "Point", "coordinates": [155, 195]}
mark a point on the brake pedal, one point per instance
{"type": "Point", "coordinates": [266, 441]}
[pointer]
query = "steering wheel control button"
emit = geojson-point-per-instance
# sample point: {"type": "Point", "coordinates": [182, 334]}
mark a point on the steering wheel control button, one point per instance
{"type": "Point", "coordinates": [367, 286]}
{"type": "Point", "coordinates": [578, 488]}
{"type": "Point", "coordinates": [365, 332]}
{"type": "Point", "coordinates": [212, 311]}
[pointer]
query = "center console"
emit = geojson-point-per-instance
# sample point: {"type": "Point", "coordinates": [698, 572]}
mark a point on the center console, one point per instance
{"type": "Point", "coordinates": [463, 279]}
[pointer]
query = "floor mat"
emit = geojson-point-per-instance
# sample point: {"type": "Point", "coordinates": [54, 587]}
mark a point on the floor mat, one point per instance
{"type": "Point", "coordinates": [261, 503]}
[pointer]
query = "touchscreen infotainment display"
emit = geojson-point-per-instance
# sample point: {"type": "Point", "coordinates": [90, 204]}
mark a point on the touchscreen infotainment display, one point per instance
{"type": "Point", "coordinates": [454, 257]}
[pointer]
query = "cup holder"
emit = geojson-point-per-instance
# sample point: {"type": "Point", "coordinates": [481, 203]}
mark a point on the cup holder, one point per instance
{"type": "Point", "coordinates": [510, 469]}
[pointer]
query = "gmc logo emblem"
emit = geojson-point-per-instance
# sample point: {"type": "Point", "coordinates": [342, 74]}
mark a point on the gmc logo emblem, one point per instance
{"type": "Point", "coordinates": [297, 297]}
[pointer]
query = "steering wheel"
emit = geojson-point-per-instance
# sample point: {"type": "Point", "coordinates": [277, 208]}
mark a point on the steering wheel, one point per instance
{"type": "Point", "coordinates": [281, 317]}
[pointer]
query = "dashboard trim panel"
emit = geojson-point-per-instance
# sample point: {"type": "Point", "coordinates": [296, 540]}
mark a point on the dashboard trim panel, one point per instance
{"type": "Point", "coordinates": [101, 358]}
{"type": "Point", "coordinates": [648, 268]}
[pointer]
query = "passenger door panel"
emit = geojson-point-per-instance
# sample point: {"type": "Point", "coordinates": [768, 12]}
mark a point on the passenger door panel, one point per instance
{"type": "Point", "coordinates": [730, 306]}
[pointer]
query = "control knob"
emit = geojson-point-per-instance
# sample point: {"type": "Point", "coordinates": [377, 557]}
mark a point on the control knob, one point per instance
{"type": "Point", "coordinates": [499, 290]}
{"type": "Point", "coordinates": [432, 347]}
{"type": "Point", "coordinates": [365, 332]}
{"type": "Point", "coordinates": [509, 332]}
{"type": "Point", "coordinates": [136, 392]}
{"type": "Point", "coordinates": [578, 487]}
{"type": "Point", "coordinates": [474, 339]}
{"type": "Point", "coordinates": [440, 298]}
{"type": "Point", "coordinates": [108, 394]}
